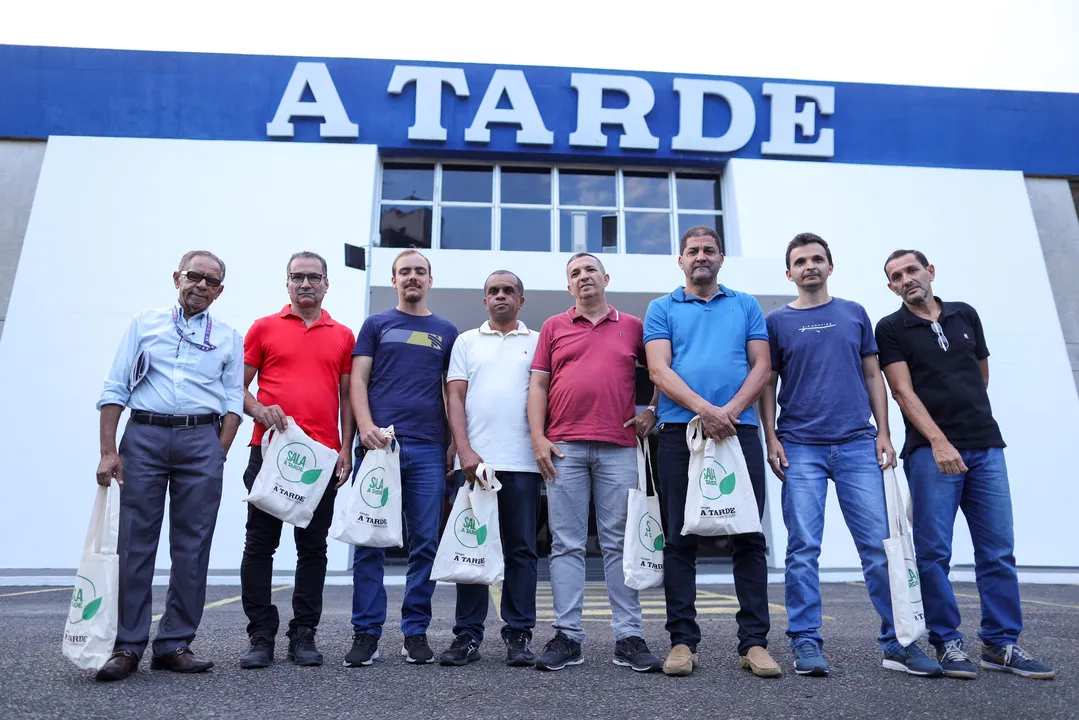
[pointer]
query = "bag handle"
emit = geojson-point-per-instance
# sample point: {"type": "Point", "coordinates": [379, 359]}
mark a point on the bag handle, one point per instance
{"type": "Point", "coordinates": [645, 478]}
{"type": "Point", "coordinates": [486, 479]}
{"type": "Point", "coordinates": [104, 521]}
{"type": "Point", "coordinates": [266, 436]}
{"type": "Point", "coordinates": [695, 438]}
{"type": "Point", "coordinates": [893, 498]}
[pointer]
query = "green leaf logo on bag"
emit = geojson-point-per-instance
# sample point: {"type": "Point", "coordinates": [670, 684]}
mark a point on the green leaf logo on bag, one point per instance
{"type": "Point", "coordinates": [468, 531]}
{"type": "Point", "coordinates": [85, 602]}
{"type": "Point", "coordinates": [650, 533]}
{"type": "Point", "coordinates": [375, 493]}
{"type": "Point", "coordinates": [295, 461]}
{"type": "Point", "coordinates": [712, 487]}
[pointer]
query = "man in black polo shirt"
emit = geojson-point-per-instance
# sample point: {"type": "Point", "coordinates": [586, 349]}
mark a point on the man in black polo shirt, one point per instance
{"type": "Point", "coordinates": [937, 364]}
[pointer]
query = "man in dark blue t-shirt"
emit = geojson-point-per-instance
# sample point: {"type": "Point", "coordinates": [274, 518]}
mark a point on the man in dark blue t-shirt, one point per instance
{"type": "Point", "coordinates": [398, 374]}
{"type": "Point", "coordinates": [824, 352]}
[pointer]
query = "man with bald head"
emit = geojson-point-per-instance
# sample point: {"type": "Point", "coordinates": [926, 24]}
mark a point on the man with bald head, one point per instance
{"type": "Point", "coordinates": [487, 395]}
{"type": "Point", "coordinates": [180, 371]}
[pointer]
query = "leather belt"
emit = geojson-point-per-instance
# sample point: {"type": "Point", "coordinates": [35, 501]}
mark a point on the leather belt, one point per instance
{"type": "Point", "coordinates": [149, 418]}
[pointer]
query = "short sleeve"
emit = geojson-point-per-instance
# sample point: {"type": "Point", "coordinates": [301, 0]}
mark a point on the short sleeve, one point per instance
{"type": "Point", "coordinates": [642, 359]}
{"type": "Point", "coordinates": [656, 326]}
{"type": "Point", "coordinates": [458, 369]}
{"type": "Point", "coordinates": [887, 343]}
{"type": "Point", "coordinates": [254, 352]}
{"type": "Point", "coordinates": [869, 343]}
{"type": "Point", "coordinates": [348, 341]}
{"type": "Point", "coordinates": [367, 341]}
{"type": "Point", "coordinates": [451, 343]}
{"type": "Point", "coordinates": [772, 323]}
{"type": "Point", "coordinates": [755, 325]}
{"type": "Point", "coordinates": [981, 351]}
{"type": "Point", "coordinates": [541, 361]}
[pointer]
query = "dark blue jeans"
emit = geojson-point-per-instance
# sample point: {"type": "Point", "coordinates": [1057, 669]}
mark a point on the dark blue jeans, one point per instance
{"type": "Point", "coordinates": [983, 494]}
{"type": "Point", "coordinates": [518, 511]}
{"type": "Point", "coordinates": [423, 475]}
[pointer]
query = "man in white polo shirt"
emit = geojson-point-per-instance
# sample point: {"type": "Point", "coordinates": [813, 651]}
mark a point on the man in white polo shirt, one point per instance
{"type": "Point", "coordinates": [487, 398]}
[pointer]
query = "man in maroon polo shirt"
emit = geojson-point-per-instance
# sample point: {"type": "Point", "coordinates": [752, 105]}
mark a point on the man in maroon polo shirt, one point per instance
{"type": "Point", "coordinates": [303, 359]}
{"type": "Point", "coordinates": [580, 408]}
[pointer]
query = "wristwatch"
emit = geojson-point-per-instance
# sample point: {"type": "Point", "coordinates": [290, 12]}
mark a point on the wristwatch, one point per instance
{"type": "Point", "coordinates": [652, 408]}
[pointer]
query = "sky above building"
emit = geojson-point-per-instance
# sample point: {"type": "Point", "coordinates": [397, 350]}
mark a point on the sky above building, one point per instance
{"type": "Point", "coordinates": [1002, 44]}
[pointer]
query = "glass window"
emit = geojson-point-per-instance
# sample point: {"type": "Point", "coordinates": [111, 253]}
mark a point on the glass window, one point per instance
{"type": "Point", "coordinates": [467, 183]}
{"type": "Point", "coordinates": [648, 233]}
{"type": "Point", "coordinates": [685, 222]}
{"type": "Point", "coordinates": [526, 185]}
{"type": "Point", "coordinates": [586, 187]}
{"type": "Point", "coordinates": [408, 182]}
{"type": "Point", "coordinates": [466, 228]}
{"type": "Point", "coordinates": [526, 229]}
{"type": "Point", "coordinates": [646, 190]}
{"type": "Point", "coordinates": [698, 192]}
{"type": "Point", "coordinates": [403, 226]}
{"type": "Point", "coordinates": [594, 231]}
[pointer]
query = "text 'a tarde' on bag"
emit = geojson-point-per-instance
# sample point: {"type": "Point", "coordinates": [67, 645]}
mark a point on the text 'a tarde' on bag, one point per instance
{"type": "Point", "coordinates": [294, 476]}
{"type": "Point", "coordinates": [719, 495]}
{"type": "Point", "coordinates": [90, 633]}
{"type": "Point", "coordinates": [470, 551]}
{"type": "Point", "coordinates": [903, 580]}
{"type": "Point", "coordinates": [642, 549]}
{"type": "Point", "coordinates": [369, 513]}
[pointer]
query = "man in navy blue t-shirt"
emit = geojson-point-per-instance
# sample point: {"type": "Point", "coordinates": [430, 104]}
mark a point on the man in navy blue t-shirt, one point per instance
{"type": "Point", "coordinates": [398, 374]}
{"type": "Point", "coordinates": [824, 352]}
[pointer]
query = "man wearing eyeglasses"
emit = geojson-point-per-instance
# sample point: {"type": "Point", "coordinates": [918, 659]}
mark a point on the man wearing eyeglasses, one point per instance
{"type": "Point", "coordinates": [303, 359]}
{"type": "Point", "coordinates": [180, 370]}
{"type": "Point", "coordinates": [936, 361]}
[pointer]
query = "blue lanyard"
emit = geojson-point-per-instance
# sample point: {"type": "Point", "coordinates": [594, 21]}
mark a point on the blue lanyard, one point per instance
{"type": "Point", "coordinates": [205, 346]}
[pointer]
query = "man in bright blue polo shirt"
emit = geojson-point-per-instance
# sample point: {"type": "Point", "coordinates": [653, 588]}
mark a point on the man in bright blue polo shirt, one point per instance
{"type": "Point", "coordinates": [707, 349]}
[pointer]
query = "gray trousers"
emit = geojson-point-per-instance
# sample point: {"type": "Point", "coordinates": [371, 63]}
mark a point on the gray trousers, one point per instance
{"type": "Point", "coordinates": [188, 463]}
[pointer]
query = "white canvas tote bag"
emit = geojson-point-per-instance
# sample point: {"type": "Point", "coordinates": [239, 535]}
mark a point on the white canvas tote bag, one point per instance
{"type": "Point", "coordinates": [642, 548]}
{"type": "Point", "coordinates": [470, 551]}
{"type": "Point", "coordinates": [369, 514]}
{"type": "Point", "coordinates": [719, 497]}
{"type": "Point", "coordinates": [907, 613]}
{"type": "Point", "coordinates": [295, 473]}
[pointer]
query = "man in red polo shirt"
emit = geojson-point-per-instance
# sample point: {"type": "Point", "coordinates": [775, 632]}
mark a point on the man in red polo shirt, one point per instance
{"type": "Point", "coordinates": [580, 408]}
{"type": "Point", "coordinates": [303, 359]}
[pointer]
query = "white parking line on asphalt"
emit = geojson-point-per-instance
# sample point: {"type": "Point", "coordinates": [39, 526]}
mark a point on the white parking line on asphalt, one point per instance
{"type": "Point", "coordinates": [226, 601]}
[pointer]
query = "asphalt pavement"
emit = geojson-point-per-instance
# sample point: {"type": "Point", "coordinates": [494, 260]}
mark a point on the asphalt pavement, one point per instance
{"type": "Point", "coordinates": [36, 681]}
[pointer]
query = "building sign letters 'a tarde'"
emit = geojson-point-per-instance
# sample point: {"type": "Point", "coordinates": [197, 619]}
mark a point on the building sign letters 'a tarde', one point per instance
{"type": "Point", "coordinates": [311, 94]}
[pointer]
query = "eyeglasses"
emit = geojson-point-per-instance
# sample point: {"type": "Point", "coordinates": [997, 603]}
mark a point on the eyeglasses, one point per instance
{"type": "Point", "coordinates": [942, 339]}
{"type": "Point", "coordinates": [196, 278]}
{"type": "Point", "coordinates": [298, 278]}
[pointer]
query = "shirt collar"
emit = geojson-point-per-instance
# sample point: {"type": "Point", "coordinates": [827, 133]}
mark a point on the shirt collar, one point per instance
{"type": "Point", "coordinates": [200, 317]}
{"type": "Point", "coordinates": [612, 314]}
{"type": "Point", "coordinates": [680, 295]}
{"type": "Point", "coordinates": [522, 329]}
{"type": "Point", "coordinates": [912, 320]}
{"type": "Point", "coordinates": [323, 319]}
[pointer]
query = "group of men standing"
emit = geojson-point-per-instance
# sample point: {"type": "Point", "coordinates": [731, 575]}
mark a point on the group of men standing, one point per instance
{"type": "Point", "coordinates": [557, 406]}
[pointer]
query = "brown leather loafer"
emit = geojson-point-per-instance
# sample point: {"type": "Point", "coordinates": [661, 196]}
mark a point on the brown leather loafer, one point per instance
{"type": "Point", "coordinates": [120, 665]}
{"type": "Point", "coordinates": [180, 660]}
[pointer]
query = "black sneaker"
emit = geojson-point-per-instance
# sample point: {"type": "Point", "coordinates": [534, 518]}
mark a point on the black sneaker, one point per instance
{"type": "Point", "coordinates": [558, 653]}
{"type": "Point", "coordinates": [416, 650]}
{"type": "Point", "coordinates": [633, 652]}
{"type": "Point", "coordinates": [518, 652]}
{"type": "Point", "coordinates": [462, 651]}
{"type": "Point", "coordinates": [1013, 659]}
{"type": "Point", "coordinates": [260, 655]}
{"type": "Point", "coordinates": [954, 661]}
{"type": "Point", "coordinates": [301, 648]}
{"type": "Point", "coordinates": [364, 651]}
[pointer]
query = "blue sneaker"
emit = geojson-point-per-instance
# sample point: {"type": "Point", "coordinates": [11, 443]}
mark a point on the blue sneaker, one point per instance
{"type": "Point", "coordinates": [808, 659]}
{"type": "Point", "coordinates": [954, 660]}
{"type": "Point", "coordinates": [913, 661]}
{"type": "Point", "coordinates": [1013, 659]}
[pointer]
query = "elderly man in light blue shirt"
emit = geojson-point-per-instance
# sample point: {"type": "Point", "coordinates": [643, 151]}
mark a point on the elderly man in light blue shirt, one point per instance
{"type": "Point", "coordinates": [180, 371]}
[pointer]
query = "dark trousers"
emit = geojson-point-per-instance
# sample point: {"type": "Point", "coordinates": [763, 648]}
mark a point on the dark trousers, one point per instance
{"type": "Point", "coordinates": [518, 511]}
{"type": "Point", "coordinates": [186, 462]}
{"type": "Point", "coordinates": [680, 551]}
{"type": "Point", "coordinates": [256, 568]}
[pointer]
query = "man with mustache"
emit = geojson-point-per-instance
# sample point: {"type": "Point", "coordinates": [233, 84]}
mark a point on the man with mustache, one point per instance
{"type": "Point", "coordinates": [580, 407]}
{"type": "Point", "coordinates": [708, 354]}
{"type": "Point", "coordinates": [488, 394]}
{"type": "Point", "coordinates": [936, 361]}
{"type": "Point", "coordinates": [303, 358]}
{"type": "Point", "coordinates": [398, 378]}
{"type": "Point", "coordinates": [181, 373]}
{"type": "Point", "coordinates": [823, 350]}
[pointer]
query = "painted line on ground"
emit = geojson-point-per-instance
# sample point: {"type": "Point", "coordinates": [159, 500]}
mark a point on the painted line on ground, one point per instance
{"type": "Point", "coordinates": [35, 592]}
{"type": "Point", "coordinates": [1025, 601]}
{"type": "Point", "coordinates": [226, 601]}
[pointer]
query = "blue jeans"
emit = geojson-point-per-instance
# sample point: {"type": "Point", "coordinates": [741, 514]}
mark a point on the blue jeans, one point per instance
{"type": "Point", "coordinates": [518, 511]}
{"type": "Point", "coordinates": [983, 494]}
{"type": "Point", "coordinates": [605, 473]}
{"type": "Point", "coordinates": [423, 476]}
{"type": "Point", "coordinates": [859, 486]}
